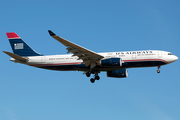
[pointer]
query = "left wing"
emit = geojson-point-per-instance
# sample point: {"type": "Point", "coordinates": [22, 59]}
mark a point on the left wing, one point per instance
{"type": "Point", "coordinates": [86, 55]}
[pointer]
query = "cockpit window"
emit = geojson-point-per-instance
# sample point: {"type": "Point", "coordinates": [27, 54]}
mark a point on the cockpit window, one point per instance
{"type": "Point", "coordinates": [170, 54]}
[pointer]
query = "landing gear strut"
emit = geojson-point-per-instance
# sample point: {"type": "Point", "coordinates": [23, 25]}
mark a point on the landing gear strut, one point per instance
{"type": "Point", "coordinates": [158, 71]}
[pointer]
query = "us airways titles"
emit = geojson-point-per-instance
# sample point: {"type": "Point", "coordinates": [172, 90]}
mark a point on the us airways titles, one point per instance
{"type": "Point", "coordinates": [134, 52]}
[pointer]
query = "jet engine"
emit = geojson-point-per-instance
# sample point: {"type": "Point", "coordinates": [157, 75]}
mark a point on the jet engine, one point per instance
{"type": "Point", "coordinates": [122, 73]}
{"type": "Point", "coordinates": [109, 62]}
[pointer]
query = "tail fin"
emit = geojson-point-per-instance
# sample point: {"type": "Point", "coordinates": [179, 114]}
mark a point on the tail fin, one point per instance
{"type": "Point", "coordinates": [19, 47]}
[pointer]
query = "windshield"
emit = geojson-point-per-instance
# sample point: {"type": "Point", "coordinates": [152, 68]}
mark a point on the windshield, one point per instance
{"type": "Point", "coordinates": [170, 54]}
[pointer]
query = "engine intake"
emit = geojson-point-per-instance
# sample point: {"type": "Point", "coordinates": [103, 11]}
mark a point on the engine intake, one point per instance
{"type": "Point", "coordinates": [111, 62]}
{"type": "Point", "coordinates": [118, 73]}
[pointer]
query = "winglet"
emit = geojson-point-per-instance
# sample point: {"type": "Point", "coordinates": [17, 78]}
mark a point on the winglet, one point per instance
{"type": "Point", "coordinates": [51, 33]}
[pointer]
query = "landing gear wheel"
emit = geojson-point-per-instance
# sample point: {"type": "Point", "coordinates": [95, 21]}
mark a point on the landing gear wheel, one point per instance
{"type": "Point", "coordinates": [97, 77]}
{"type": "Point", "coordinates": [158, 71]}
{"type": "Point", "coordinates": [88, 74]}
{"type": "Point", "coordinates": [92, 80]}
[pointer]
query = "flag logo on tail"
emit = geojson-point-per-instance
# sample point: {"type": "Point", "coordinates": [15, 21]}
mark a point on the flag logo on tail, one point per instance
{"type": "Point", "coordinates": [18, 46]}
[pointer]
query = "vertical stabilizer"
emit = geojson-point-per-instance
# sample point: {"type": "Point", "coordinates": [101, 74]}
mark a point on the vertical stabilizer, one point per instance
{"type": "Point", "coordinates": [19, 47]}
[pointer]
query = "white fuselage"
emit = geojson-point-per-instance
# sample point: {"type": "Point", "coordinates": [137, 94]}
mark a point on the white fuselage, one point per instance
{"type": "Point", "coordinates": [146, 58]}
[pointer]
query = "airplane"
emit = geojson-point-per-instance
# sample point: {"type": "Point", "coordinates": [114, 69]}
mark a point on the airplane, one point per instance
{"type": "Point", "coordinates": [87, 61]}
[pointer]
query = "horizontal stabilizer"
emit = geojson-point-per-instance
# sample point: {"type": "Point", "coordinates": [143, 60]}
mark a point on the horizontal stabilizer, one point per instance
{"type": "Point", "coordinates": [16, 57]}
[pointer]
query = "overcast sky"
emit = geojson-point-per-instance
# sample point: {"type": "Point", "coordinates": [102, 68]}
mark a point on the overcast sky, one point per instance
{"type": "Point", "coordinates": [28, 93]}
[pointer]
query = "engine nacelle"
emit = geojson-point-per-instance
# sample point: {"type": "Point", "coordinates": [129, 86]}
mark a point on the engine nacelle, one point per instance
{"type": "Point", "coordinates": [118, 73]}
{"type": "Point", "coordinates": [111, 62]}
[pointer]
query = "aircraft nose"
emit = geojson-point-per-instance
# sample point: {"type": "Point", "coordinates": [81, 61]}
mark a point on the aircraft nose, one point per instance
{"type": "Point", "coordinates": [175, 58]}
{"type": "Point", "coordinates": [172, 58]}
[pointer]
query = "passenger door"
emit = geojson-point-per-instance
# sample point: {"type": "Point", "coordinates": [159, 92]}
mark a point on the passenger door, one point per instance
{"type": "Point", "coordinates": [159, 54]}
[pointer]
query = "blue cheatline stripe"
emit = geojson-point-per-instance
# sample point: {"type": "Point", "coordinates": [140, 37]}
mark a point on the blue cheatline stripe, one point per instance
{"type": "Point", "coordinates": [79, 66]}
{"type": "Point", "coordinates": [20, 48]}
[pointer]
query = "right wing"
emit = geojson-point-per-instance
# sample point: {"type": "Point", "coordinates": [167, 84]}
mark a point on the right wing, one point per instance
{"type": "Point", "coordinates": [86, 55]}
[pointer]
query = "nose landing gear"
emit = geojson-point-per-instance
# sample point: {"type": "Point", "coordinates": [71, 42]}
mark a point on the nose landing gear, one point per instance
{"type": "Point", "coordinates": [158, 71]}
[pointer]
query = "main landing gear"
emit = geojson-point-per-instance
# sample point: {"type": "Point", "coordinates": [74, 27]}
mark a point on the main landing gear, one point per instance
{"type": "Point", "coordinates": [92, 71]}
{"type": "Point", "coordinates": [158, 71]}
{"type": "Point", "coordinates": [96, 76]}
